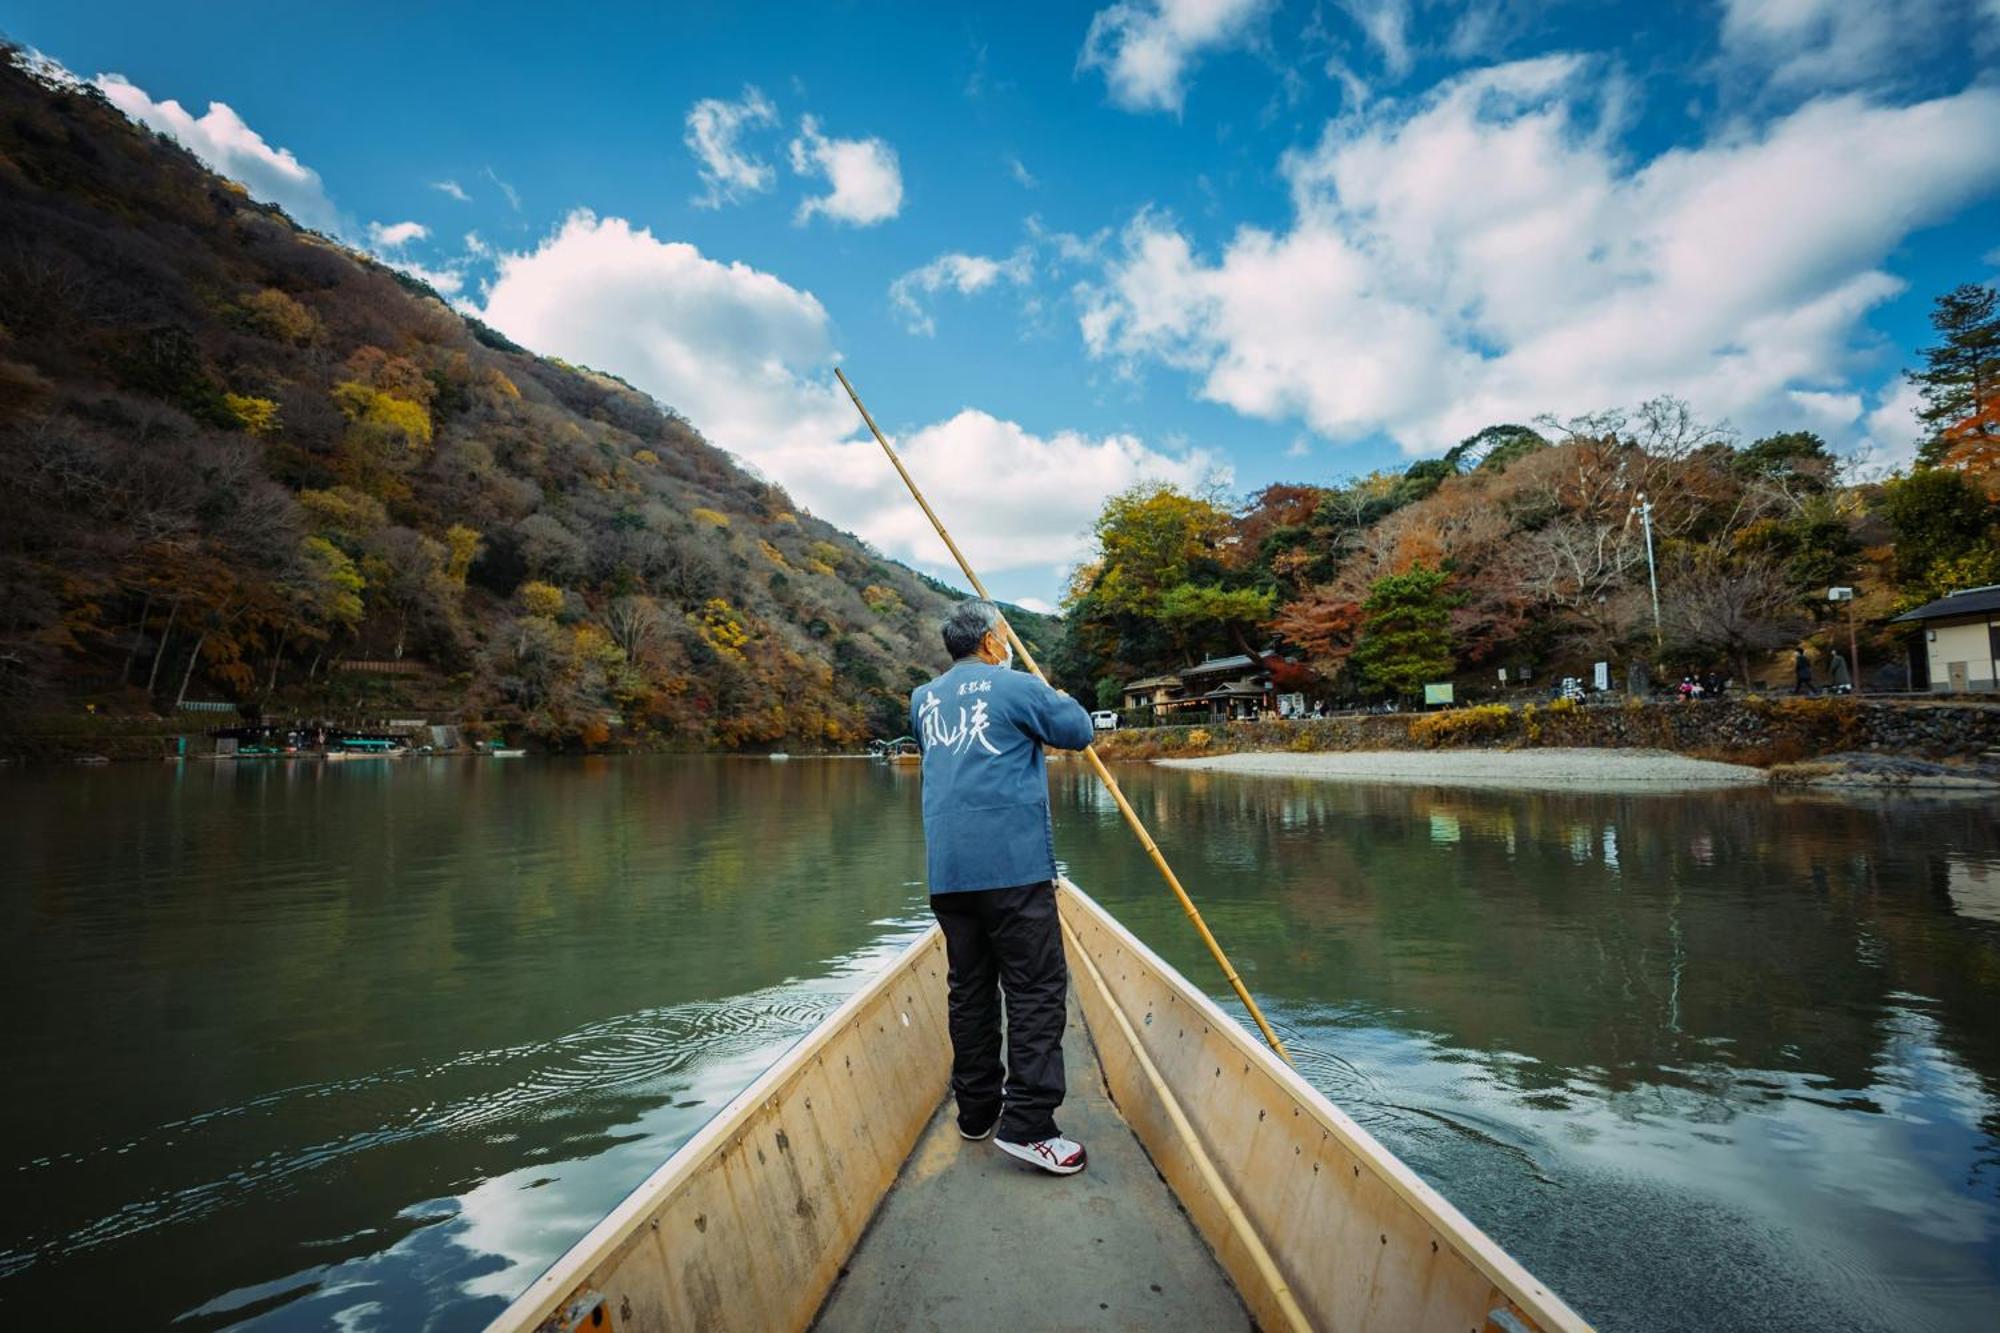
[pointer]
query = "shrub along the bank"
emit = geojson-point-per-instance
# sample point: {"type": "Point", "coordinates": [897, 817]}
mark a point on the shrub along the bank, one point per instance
{"type": "Point", "coordinates": [1752, 729]}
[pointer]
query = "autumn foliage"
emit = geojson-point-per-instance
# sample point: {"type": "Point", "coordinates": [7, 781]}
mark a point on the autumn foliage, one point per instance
{"type": "Point", "coordinates": [241, 455]}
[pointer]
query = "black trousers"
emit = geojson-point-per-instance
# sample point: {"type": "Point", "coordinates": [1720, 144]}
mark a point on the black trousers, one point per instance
{"type": "Point", "coordinates": [1006, 940]}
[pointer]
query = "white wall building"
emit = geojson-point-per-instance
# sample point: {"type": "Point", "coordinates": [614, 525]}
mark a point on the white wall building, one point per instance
{"type": "Point", "coordinates": [1958, 648]}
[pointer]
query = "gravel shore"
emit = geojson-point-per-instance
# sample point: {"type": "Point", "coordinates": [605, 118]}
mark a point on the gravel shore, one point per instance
{"type": "Point", "coordinates": [1598, 770]}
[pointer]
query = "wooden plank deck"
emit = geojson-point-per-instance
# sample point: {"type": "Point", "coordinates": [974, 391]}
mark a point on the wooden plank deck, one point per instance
{"type": "Point", "coordinates": [970, 1239]}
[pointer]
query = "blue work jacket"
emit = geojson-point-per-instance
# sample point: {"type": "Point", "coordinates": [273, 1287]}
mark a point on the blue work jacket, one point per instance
{"type": "Point", "coordinates": [986, 784]}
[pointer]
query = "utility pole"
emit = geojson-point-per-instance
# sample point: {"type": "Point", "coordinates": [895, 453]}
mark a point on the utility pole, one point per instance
{"type": "Point", "coordinates": [1853, 648]}
{"type": "Point", "coordinates": [1853, 638]}
{"type": "Point", "coordinates": [1644, 509]}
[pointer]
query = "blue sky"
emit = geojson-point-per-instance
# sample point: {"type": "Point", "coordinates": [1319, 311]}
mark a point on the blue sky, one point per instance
{"type": "Point", "coordinates": [1063, 248]}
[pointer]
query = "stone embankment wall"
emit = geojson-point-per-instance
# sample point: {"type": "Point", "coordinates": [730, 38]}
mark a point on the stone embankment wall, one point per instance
{"type": "Point", "coordinates": [1749, 730]}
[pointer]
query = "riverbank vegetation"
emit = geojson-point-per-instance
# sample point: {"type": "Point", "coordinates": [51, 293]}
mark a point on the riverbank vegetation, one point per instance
{"type": "Point", "coordinates": [250, 466]}
{"type": "Point", "coordinates": [1756, 730]}
{"type": "Point", "coordinates": [1524, 550]}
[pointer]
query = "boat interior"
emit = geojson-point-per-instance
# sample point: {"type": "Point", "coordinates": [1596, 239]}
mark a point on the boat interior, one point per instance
{"type": "Point", "coordinates": [1223, 1191]}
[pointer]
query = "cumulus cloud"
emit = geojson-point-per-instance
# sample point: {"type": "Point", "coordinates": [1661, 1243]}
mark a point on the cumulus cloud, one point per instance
{"type": "Point", "coordinates": [1148, 48]}
{"type": "Point", "coordinates": [393, 235]}
{"type": "Point", "coordinates": [1893, 429]}
{"type": "Point", "coordinates": [866, 178]}
{"type": "Point", "coordinates": [1489, 252]}
{"type": "Point", "coordinates": [220, 138]}
{"type": "Point", "coordinates": [747, 358]}
{"type": "Point", "coordinates": [962, 273]}
{"type": "Point", "coordinates": [446, 281]}
{"type": "Point", "coordinates": [1827, 44]}
{"type": "Point", "coordinates": [714, 132]}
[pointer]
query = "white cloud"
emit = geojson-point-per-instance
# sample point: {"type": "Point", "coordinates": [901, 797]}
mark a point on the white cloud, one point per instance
{"type": "Point", "coordinates": [1026, 179]}
{"type": "Point", "coordinates": [447, 281]}
{"type": "Point", "coordinates": [1488, 253]}
{"type": "Point", "coordinates": [748, 359]}
{"type": "Point", "coordinates": [714, 131]}
{"type": "Point", "coordinates": [46, 69]}
{"type": "Point", "coordinates": [1036, 604]}
{"type": "Point", "coordinates": [221, 139]}
{"type": "Point", "coordinates": [452, 188]}
{"type": "Point", "coordinates": [1387, 24]}
{"type": "Point", "coordinates": [1828, 44]}
{"type": "Point", "coordinates": [1894, 432]}
{"type": "Point", "coordinates": [396, 234]}
{"type": "Point", "coordinates": [1148, 48]}
{"type": "Point", "coordinates": [962, 273]}
{"type": "Point", "coordinates": [1014, 499]}
{"type": "Point", "coordinates": [513, 195]}
{"type": "Point", "coordinates": [867, 181]}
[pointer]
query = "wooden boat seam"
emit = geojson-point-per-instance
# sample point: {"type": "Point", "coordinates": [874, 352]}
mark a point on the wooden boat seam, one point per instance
{"type": "Point", "coordinates": [1506, 1274]}
{"type": "Point", "coordinates": [547, 1293]}
{"type": "Point", "coordinates": [1246, 1232]}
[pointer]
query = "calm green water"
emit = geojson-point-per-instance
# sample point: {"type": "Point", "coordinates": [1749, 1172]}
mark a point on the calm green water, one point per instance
{"type": "Point", "coordinates": [366, 1045]}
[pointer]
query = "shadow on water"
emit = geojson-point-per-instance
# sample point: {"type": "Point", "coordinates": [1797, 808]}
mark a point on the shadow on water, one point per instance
{"type": "Point", "coordinates": [297, 1046]}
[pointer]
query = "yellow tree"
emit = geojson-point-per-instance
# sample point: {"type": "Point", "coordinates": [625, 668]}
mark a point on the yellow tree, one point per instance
{"type": "Point", "coordinates": [1150, 539]}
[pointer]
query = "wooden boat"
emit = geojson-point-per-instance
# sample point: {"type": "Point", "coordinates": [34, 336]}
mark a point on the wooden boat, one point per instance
{"type": "Point", "coordinates": [902, 750]}
{"type": "Point", "coordinates": [835, 1191]}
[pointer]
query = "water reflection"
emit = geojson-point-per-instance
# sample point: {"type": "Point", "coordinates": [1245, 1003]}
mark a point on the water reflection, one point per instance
{"type": "Point", "coordinates": [367, 1045]}
{"type": "Point", "coordinates": [1700, 1061]}
{"type": "Point", "coordinates": [293, 1041]}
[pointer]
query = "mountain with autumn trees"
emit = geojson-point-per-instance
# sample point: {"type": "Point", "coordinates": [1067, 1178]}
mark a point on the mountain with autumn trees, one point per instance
{"type": "Point", "coordinates": [240, 454]}
{"type": "Point", "coordinates": [1524, 548]}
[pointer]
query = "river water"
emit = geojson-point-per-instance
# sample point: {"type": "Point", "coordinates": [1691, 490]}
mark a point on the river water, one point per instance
{"type": "Point", "coordinates": [366, 1045]}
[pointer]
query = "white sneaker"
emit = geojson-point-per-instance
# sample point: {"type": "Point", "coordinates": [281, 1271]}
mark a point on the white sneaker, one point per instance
{"type": "Point", "coordinates": [1057, 1156]}
{"type": "Point", "coordinates": [965, 1133]}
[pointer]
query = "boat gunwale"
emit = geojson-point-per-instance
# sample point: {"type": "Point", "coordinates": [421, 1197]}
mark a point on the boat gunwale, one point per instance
{"type": "Point", "coordinates": [1482, 1251]}
{"type": "Point", "coordinates": [558, 1282]}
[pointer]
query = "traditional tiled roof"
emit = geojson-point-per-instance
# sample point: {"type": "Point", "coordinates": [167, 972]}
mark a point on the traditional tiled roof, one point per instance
{"type": "Point", "coordinates": [1215, 664]}
{"type": "Point", "coordinates": [1971, 602]}
{"type": "Point", "coordinates": [1237, 689]}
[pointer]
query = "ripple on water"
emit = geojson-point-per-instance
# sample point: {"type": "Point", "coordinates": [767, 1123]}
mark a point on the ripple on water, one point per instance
{"type": "Point", "coordinates": [496, 1086]}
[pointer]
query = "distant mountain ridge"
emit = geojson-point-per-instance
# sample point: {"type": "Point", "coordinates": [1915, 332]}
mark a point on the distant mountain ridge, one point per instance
{"type": "Point", "coordinates": [240, 453]}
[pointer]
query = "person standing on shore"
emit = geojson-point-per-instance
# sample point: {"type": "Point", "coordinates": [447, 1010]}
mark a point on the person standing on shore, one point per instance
{"type": "Point", "coordinates": [1841, 678]}
{"type": "Point", "coordinates": [1802, 680]}
{"type": "Point", "coordinates": [990, 846]}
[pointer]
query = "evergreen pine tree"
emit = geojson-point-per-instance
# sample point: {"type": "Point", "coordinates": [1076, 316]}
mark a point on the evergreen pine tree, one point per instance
{"type": "Point", "coordinates": [1963, 370]}
{"type": "Point", "coordinates": [1406, 630]}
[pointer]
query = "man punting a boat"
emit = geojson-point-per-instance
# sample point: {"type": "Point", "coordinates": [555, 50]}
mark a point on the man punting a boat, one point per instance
{"type": "Point", "coordinates": [982, 727]}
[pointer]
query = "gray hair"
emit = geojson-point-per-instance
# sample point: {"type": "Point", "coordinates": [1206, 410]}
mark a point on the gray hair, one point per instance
{"type": "Point", "coordinates": [969, 622]}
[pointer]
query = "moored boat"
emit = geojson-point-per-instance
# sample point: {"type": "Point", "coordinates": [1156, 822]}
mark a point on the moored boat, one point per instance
{"type": "Point", "coordinates": [835, 1188]}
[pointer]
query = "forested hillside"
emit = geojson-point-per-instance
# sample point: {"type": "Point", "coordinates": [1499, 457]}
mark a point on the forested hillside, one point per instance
{"type": "Point", "coordinates": [1525, 549]}
{"type": "Point", "coordinates": [240, 454]}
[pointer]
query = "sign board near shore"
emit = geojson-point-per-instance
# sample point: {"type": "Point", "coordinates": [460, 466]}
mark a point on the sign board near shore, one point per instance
{"type": "Point", "coordinates": [1438, 692]}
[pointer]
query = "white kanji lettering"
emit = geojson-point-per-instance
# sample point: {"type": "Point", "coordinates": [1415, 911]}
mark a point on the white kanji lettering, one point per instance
{"type": "Point", "coordinates": [977, 730]}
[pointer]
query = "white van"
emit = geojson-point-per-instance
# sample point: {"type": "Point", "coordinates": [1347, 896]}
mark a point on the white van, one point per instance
{"type": "Point", "coordinates": [1104, 719]}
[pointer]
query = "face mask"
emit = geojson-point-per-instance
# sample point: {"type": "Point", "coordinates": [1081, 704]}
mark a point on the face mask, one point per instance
{"type": "Point", "coordinates": [1007, 655]}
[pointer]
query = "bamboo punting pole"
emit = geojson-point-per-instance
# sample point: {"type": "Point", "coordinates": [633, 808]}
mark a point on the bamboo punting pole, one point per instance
{"type": "Point", "coordinates": [1090, 751]}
